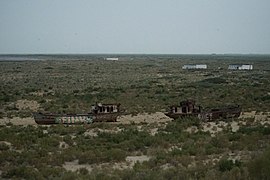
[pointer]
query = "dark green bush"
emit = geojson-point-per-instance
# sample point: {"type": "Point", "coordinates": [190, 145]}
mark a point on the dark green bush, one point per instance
{"type": "Point", "coordinates": [216, 80]}
{"type": "Point", "coordinates": [264, 130]}
{"type": "Point", "coordinates": [22, 172]}
{"type": "Point", "coordinates": [259, 168]}
{"type": "Point", "coordinates": [4, 147]}
{"type": "Point", "coordinates": [227, 165]}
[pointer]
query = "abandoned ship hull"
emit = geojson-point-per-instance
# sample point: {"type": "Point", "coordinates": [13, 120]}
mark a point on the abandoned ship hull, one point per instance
{"type": "Point", "coordinates": [43, 118]}
{"type": "Point", "coordinates": [99, 113]}
{"type": "Point", "coordinates": [47, 119]}
{"type": "Point", "coordinates": [188, 108]}
{"type": "Point", "coordinates": [221, 113]}
{"type": "Point", "coordinates": [181, 115]}
{"type": "Point", "coordinates": [112, 117]}
{"type": "Point", "coordinates": [207, 116]}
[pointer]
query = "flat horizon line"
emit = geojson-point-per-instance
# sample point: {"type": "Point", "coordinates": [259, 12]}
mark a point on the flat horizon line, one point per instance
{"type": "Point", "coordinates": [212, 54]}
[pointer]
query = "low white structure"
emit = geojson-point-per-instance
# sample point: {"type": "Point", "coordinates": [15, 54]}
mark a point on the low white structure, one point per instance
{"type": "Point", "coordinates": [195, 66]}
{"type": "Point", "coordinates": [111, 59]}
{"type": "Point", "coordinates": [240, 67]}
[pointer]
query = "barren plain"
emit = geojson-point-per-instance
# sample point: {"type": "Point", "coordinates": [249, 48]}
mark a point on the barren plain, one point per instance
{"type": "Point", "coordinates": [143, 143]}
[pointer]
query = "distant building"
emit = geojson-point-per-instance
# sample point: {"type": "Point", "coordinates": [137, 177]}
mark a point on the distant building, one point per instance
{"type": "Point", "coordinates": [111, 59]}
{"type": "Point", "coordinates": [195, 66]}
{"type": "Point", "coordinates": [240, 67]}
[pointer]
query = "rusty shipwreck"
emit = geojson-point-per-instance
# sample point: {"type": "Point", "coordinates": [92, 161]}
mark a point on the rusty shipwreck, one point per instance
{"type": "Point", "coordinates": [188, 108]}
{"type": "Point", "coordinates": [99, 113]}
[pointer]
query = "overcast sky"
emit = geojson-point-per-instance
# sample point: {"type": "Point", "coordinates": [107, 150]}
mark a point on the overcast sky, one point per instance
{"type": "Point", "coordinates": [135, 26]}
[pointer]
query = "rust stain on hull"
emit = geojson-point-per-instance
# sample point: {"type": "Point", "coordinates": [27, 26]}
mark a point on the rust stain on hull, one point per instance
{"type": "Point", "coordinates": [100, 113]}
{"type": "Point", "coordinates": [188, 108]}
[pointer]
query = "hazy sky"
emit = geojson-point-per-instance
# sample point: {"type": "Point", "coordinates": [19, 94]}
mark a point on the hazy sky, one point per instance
{"type": "Point", "coordinates": [135, 26]}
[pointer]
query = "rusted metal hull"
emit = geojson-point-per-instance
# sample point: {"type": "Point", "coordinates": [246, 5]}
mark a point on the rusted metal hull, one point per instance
{"type": "Point", "coordinates": [112, 117]}
{"type": "Point", "coordinates": [100, 113]}
{"type": "Point", "coordinates": [48, 118]}
{"type": "Point", "coordinates": [188, 109]}
{"type": "Point", "coordinates": [181, 115]}
{"type": "Point", "coordinates": [44, 119]}
{"type": "Point", "coordinates": [220, 113]}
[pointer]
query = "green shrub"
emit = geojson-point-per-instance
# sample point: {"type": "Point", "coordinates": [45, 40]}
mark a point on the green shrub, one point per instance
{"type": "Point", "coordinates": [51, 172]}
{"type": "Point", "coordinates": [83, 171]}
{"type": "Point", "coordinates": [4, 147]}
{"type": "Point", "coordinates": [234, 136]}
{"type": "Point", "coordinates": [22, 172]}
{"type": "Point", "coordinates": [265, 130]}
{"type": "Point", "coordinates": [259, 168]}
{"type": "Point", "coordinates": [116, 155]}
{"type": "Point", "coordinates": [88, 157]}
{"type": "Point", "coordinates": [227, 165]}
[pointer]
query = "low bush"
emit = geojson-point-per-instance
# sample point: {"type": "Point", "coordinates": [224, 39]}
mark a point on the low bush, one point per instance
{"type": "Point", "coordinates": [259, 168]}
{"type": "Point", "coordinates": [22, 172]}
{"type": "Point", "coordinates": [227, 165]}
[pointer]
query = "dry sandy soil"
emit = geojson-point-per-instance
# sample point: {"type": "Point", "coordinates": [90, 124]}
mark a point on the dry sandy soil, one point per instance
{"type": "Point", "coordinates": [157, 117]}
{"type": "Point", "coordinates": [214, 127]}
{"type": "Point", "coordinates": [27, 104]}
{"type": "Point", "coordinates": [128, 164]}
{"type": "Point", "coordinates": [94, 132]}
{"type": "Point", "coordinates": [18, 121]}
{"type": "Point", "coordinates": [157, 120]}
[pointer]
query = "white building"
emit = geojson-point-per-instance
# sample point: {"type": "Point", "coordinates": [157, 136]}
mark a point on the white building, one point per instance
{"type": "Point", "coordinates": [240, 67]}
{"type": "Point", "coordinates": [195, 66]}
{"type": "Point", "coordinates": [111, 59]}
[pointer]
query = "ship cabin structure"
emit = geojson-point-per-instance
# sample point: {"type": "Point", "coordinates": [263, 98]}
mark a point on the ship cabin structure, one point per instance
{"type": "Point", "coordinates": [99, 108]}
{"type": "Point", "coordinates": [105, 112]}
{"type": "Point", "coordinates": [185, 108]}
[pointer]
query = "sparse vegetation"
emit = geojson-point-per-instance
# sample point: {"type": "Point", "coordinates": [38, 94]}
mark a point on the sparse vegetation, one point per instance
{"type": "Point", "coordinates": [145, 84]}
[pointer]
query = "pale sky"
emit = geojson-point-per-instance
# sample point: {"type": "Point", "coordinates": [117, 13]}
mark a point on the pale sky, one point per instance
{"type": "Point", "coordinates": [135, 26]}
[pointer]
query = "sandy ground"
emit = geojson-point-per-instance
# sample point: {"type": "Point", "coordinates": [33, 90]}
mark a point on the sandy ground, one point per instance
{"type": "Point", "coordinates": [6, 143]}
{"type": "Point", "coordinates": [258, 117]}
{"type": "Point", "coordinates": [130, 161]}
{"type": "Point", "coordinates": [18, 121]}
{"type": "Point", "coordinates": [166, 166]}
{"type": "Point", "coordinates": [153, 131]}
{"type": "Point", "coordinates": [153, 122]}
{"type": "Point", "coordinates": [134, 159]}
{"type": "Point", "coordinates": [74, 166]}
{"type": "Point", "coordinates": [63, 145]}
{"type": "Point", "coordinates": [215, 127]}
{"type": "Point", "coordinates": [94, 132]}
{"type": "Point", "coordinates": [38, 93]}
{"type": "Point", "coordinates": [128, 164]}
{"type": "Point", "coordinates": [212, 127]}
{"type": "Point", "coordinates": [27, 104]}
{"type": "Point", "coordinates": [262, 117]}
{"type": "Point", "coordinates": [157, 117]}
